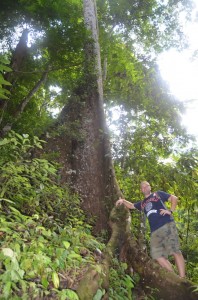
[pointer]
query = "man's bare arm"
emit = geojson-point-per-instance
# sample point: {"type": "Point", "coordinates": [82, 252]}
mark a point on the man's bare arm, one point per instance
{"type": "Point", "coordinates": [126, 203]}
{"type": "Point", "coordinates": [173, 199]}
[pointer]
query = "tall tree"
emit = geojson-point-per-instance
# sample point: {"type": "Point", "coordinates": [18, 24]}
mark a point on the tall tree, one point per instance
{"type": "Point", "coordinates": [80, 135]}
{"type": "Point", "coordinates": [90, 155]}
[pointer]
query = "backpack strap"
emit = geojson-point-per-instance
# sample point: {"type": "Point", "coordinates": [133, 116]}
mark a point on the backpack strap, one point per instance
{"type": "Point", "coordinates": [157, 195]}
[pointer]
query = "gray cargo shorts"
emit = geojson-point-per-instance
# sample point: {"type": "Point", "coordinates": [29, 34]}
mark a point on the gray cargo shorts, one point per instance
{"type": "Point", "coordinates": [164, 241]}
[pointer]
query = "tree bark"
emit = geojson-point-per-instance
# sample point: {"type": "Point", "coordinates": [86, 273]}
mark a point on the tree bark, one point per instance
{"type": "Point", "coordinates": [16, 62]}
{"type": "Point", "coordinates": [84, 143]}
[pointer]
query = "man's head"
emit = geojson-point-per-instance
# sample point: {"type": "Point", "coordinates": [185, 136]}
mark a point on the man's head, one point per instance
{"type": "Point", "coordinates": [145, 188]}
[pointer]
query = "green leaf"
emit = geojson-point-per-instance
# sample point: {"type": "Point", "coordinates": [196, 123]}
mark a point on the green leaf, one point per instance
{"type": "Point", "coordinates": [74, 256]}
{"type": "Point", "coordinates": [4, 141]}
{"type": "Point", "coordinates": [5, 68]}
{"type": "Point", "coordinates": [66, 244]}
{"type": "Point", "coordinates": [7, 200]}
{"type": "Point", "coordinates": [71, 295]}
{"type": "Point", "coordinates": [5, 82]}
{"type": "Point", "coordinates": [16, 275]}
{"type": "Point", "coordinates": [17, 213]}
{"type": "Point", "coordinates": [23, 285]}
{"type": "Point", "coordinates": [55, 280]}
{"type": "Point", "coordinates": [26, 264]}
{"type": "Point", "coordinates": [3, 95]}
{"type": "Point", "coordinates": [8, 252]}
{"type": "Point", "coordinates": [4, 60]}
{"type": "Point", "coordinates": [99, 294]}
{"type": "Point", "coordinates": [44, 282]}
{"type": "Point", "coordinates": [7, 289]}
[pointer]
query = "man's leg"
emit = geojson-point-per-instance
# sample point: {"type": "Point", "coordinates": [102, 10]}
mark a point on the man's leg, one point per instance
{"type": "Point", "coordinates": [158, 247]}
{"type": "Point", "coordinates": [180, 263]}
{"type": "Point", "coordinates": [165, 263]}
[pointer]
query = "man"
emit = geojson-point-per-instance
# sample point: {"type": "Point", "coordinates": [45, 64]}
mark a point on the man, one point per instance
{"type": "Point", "coordinates": [164, 237]}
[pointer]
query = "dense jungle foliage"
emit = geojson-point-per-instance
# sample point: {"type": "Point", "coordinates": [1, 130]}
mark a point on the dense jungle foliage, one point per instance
{"type": "Point", "coordinates": [46, 244]}
{"type": "Point", "coordinates": [46, 241]}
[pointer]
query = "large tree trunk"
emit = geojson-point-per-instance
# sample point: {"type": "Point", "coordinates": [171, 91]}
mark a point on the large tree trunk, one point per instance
{"type": "Point", "coordinates": [84, 144]}
{"type": "Point", "coordinates": [95, 179]}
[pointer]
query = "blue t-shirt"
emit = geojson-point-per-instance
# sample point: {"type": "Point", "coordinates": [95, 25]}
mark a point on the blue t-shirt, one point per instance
{"type": "Point", "coordinates": [151, 207]}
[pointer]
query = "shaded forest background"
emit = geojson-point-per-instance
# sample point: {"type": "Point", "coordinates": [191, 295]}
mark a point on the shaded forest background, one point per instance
{"type": "Point", "coordinates": [74, 137]}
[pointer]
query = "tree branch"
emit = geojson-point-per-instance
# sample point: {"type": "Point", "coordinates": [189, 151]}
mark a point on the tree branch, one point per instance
{"type": "Point", "coordinates": [25, 101]}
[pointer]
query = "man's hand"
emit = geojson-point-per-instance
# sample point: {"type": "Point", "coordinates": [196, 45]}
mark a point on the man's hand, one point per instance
{"type": "Point", "coordinates": [126, 203]}
{"type": "Point", "coordinates": [164, 212]}
{"type": "Point", "coordinates": [120, 201]}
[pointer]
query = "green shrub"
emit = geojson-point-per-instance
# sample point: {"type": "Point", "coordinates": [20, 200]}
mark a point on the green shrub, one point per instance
{"type": "Point", "coordinates": [32, 183]}
{"type": "Point", "coordinates": [37, 261]}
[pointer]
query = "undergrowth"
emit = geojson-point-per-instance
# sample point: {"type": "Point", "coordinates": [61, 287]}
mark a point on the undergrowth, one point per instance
{"type": "Point", "coordinates": [38, 261]}
{"type": "Point", "coordinates": [45, 244]}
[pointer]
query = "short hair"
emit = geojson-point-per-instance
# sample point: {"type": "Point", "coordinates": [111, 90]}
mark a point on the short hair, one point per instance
{"type": "Point", "coordinates": [144, 183]}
